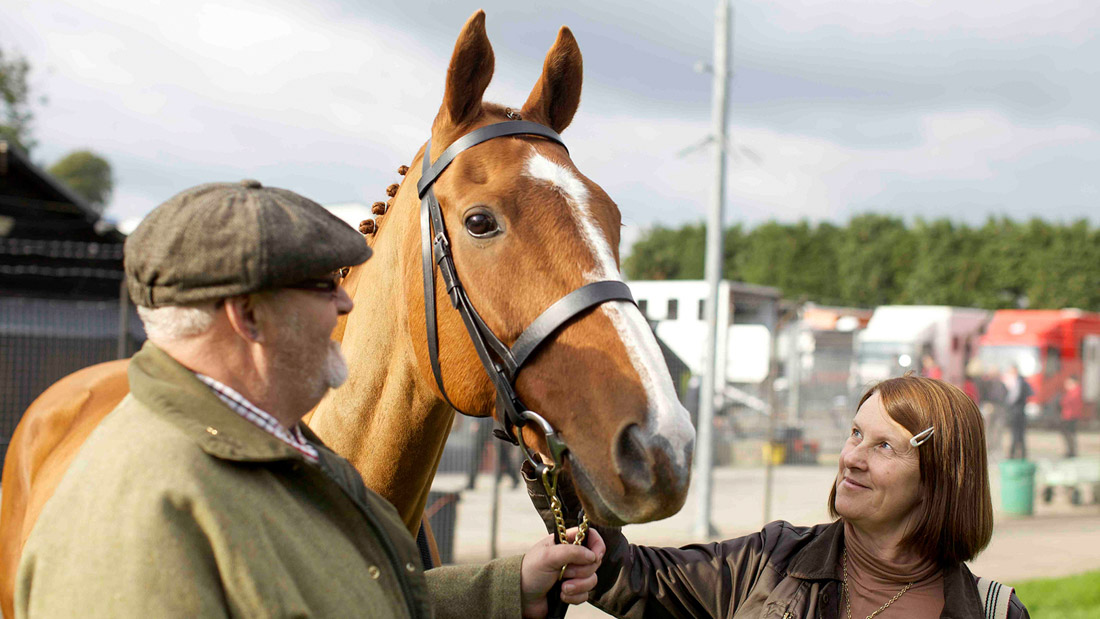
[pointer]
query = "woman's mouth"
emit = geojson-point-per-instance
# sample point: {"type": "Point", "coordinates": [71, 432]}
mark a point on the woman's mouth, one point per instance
{"type": "Point", "coordinates": [847, 481]}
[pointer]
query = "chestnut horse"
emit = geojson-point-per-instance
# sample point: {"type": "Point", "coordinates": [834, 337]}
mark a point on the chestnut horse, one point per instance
{"type": "Point", "coordinates": [526, 229]}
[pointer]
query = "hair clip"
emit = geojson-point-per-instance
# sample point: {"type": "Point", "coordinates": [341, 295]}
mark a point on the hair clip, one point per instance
{"type": "Point", "coordinates": [922, 437]}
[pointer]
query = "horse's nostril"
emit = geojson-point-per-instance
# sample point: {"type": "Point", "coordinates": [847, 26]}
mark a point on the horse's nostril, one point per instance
{"type": "Point", "coordinates": [632, 459]}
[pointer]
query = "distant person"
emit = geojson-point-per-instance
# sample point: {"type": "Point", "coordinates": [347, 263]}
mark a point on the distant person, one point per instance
{"type": "Point", "coordinates": [929, 368]}
{"type": "Point", "coordinates": [991, 389]}
{"type": "Point", "coordinates": [1017, 391]}
{"type": "Point", "coordinates": [970, 388]}
{"type": "Point", "coordinates": [912, 502]}
{"type": "Point", "coordinates": [1073, 408]}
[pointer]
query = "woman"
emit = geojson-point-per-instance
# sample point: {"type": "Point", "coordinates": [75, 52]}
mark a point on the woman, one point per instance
{"type": "Point", "coordinates": [912, 500]}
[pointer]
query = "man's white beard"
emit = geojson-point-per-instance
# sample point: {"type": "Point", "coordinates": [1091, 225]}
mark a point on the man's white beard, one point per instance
{"type": "Point", "coordinates": [336, 367]}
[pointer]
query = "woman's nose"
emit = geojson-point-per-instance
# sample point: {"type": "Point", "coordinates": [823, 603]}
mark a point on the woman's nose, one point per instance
{"type": "Point", "coordinates": [854, 457]}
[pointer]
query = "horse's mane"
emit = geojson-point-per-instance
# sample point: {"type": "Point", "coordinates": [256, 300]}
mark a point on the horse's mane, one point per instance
{"type": "Point", "coordinates": [369, 227]}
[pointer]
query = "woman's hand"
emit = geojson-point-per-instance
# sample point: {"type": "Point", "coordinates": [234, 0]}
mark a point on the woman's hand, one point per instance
{"type": "Point", "coordinates": [542, 564]}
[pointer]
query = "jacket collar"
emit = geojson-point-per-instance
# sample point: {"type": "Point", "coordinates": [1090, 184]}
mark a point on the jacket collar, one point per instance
{"type": "Point", "coordinates": [173, 392]}
{"type": "Point", "coordinates": [821, 560]}
{"type": "Point", "coordinates": [821, 557]}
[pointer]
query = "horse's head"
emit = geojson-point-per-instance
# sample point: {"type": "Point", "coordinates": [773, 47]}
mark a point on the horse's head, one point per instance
{"type": "Point", "coordinates": [526, 228]}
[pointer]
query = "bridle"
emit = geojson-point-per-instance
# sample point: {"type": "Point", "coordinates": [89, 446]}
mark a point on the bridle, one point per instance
{"type": "Point", "coordinates": [502, 363]}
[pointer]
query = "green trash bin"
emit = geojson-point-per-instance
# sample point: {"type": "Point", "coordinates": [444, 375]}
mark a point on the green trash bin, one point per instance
{"type": "Point", "coordinates": [1017, 487]}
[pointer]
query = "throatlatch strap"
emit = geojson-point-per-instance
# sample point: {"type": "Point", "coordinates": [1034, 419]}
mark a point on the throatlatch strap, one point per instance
{"type": "Point", "coordinates": [565, 308]}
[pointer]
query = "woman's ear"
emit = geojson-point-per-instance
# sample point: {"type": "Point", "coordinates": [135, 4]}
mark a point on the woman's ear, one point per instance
{"type": "Point", "coordinates": [241, 311]}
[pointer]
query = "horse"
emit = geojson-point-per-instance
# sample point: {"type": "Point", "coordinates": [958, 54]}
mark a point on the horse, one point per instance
{"type": "Point", "coordinates": [526, 229]}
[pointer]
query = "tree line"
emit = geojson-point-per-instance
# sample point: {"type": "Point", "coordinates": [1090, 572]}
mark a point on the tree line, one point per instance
{"type": "Point", "coordinates": [880, 260]}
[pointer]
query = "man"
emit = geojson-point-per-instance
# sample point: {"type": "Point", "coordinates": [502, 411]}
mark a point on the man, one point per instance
{"type": "Point", "coordinates": [1017, 391]}
{"type": "Point", "coordinates": [202, 494]}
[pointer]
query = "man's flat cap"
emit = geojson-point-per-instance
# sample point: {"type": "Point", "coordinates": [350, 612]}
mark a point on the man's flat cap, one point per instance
{"type": "Point", "coordinates": [225, 239]}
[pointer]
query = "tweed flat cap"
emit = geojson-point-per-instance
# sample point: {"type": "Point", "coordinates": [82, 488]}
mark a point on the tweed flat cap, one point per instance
{"type": "Point", "coordinates": [225, 239]}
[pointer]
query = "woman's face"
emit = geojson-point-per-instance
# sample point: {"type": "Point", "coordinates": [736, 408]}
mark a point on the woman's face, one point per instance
{"type": "Point", "coordinates": [878, 485]}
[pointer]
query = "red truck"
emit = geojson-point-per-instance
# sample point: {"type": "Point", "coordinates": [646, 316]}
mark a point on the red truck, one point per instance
{"type": "Point", "coordinates": [1046, 346]}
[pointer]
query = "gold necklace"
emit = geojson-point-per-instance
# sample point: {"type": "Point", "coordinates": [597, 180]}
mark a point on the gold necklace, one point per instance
{"type": "Point", "coordinates": [848, 593]}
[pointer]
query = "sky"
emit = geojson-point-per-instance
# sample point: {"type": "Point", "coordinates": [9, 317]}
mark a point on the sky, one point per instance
{"type": "Point", "coordinates": [925, 108]}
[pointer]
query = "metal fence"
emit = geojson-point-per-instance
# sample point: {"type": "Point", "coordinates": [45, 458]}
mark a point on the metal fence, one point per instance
{"type": "Point", "coordinates": [42, 340]}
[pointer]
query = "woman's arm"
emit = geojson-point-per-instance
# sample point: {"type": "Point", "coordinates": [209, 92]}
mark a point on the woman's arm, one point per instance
{"type": "Point", "coordinates": [699, 580]}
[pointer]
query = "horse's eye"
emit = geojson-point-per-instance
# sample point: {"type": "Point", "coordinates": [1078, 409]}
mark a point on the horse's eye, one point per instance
{"type": "Point", "coordinates": [481, 225]}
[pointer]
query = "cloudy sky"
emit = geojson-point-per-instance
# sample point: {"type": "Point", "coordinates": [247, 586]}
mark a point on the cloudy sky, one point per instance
{"type": "Point", "coordinates": [956, 108]}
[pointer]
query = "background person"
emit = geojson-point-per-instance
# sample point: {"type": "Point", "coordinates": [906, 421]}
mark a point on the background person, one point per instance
{"type": "Point", "coordinates": [1017, 391]}
{"type": "Point", "coordinates": [929, 368]}
{"type": "Point", "coordinates": [202, 494]}
{"type": "Point", "coordinates": [992, 391]}
{"type": "Point", "coordinates": [1073, 409]}
{"type": "Point", "coordinates": [910, 516]}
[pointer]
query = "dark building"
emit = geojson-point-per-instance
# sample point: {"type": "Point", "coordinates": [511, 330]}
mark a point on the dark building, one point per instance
{"type": "Point", "coordinates": [61, 276]}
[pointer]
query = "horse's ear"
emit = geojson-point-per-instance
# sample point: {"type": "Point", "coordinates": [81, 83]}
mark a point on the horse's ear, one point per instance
{"type": "Point", "coordinates": [557, 94]}
{"type": "Point", "coordinates": [469, 74]}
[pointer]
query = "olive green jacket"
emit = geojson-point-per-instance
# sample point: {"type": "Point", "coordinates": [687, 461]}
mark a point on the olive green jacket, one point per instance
{"type": "Point", "coordinates": [178, 507]}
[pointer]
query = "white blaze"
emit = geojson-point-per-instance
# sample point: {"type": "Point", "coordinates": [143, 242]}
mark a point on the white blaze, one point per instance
{"type": "Point", "coordinates": [666, 417]}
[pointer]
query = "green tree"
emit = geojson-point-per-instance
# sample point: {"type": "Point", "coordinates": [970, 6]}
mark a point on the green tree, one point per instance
{"type": "Point", "coordinates": [668, 253]}
{"type": "Point", "coordinates": [15, 101]}
{"type": "Point", "coordinates": [874, 258]}
{"type": "Point", "coordinates": [87, 174]}
{"type": "Point", "coordinates": [1004, 278]}
{"type": "Point", "coordinates": [947, 267]}
{"type": "Point", "coordinates": [878, 259]}
{"type": "Point", "coordinates": [799, 259]}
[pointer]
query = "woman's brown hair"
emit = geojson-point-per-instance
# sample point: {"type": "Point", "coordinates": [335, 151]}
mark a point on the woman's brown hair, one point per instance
{"type": "Point", "coordinates": [956, 512]}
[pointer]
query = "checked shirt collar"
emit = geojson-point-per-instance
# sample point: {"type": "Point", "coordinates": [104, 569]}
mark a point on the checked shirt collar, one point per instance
{"type": "Point", "coordinates": [264, 420]}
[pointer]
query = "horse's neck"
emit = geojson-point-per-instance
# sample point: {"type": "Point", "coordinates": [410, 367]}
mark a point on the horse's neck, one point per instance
{"type": "Point", "coordinates": [383, 420]}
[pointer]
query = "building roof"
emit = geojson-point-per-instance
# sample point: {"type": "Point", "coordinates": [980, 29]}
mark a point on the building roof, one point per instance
{"type": "Point", "coordinates": [52, 242]}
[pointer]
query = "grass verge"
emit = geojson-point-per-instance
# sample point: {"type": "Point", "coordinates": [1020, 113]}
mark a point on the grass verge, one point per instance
{"type": "Point", "coordinates": [1072, 597]}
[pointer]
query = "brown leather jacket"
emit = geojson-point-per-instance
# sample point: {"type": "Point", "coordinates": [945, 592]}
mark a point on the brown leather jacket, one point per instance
{"type": "Point", "coordinates": [781, 572]}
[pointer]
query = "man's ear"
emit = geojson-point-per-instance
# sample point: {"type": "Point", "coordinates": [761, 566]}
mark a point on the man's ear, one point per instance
{"type": "Point", "coordinates": [241, 311]}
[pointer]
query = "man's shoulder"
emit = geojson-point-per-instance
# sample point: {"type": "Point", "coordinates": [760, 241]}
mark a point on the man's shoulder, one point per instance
{"type": "Point", "coordinates": [134, 431]}
{"type": "Point", "coordinates": [134, 451]}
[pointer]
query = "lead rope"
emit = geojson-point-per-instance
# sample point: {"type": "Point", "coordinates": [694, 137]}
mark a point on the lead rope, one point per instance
{"type": "Point", "coordinates": [550, 483]}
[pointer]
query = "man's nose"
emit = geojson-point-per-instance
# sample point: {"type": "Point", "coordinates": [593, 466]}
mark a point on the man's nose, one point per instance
{"type": "Point", "coordinates": [343, 301]}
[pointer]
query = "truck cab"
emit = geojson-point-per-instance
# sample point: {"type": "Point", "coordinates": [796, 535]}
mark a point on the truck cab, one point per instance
{"type": "Point", "coordinates": [1046, 346]}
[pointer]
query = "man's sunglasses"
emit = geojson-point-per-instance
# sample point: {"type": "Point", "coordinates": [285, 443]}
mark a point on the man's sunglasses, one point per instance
{"type": "Point", "coordinates": [327, 284]}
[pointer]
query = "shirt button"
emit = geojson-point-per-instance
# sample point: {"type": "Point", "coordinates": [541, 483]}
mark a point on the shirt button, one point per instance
{"type": "Point", "coordinates": [410, 567]}
{"type": "Point", "coordinates": [374, 572]}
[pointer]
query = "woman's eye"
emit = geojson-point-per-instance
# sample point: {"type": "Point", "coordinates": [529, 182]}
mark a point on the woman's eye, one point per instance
{"type": "Point", "coordinates": [856, 433]}
{"type": "Point", "coordinates": [481, 225]}
{"type": "Point", "coordinates": [885, 445]}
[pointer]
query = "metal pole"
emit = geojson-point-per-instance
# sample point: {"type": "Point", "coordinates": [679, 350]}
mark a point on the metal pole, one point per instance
{"type": "Point", "coordinates": [773, 412]}
{"type": "Point", "coordinates": [494, 518]}
{"type": "Point", "coordinates": [794, 369]}
{"type": "Point", "coordinates": [704, 443]}
{"type": "Point", "coordinates": [123, 321]}
{"type": "Point", "coordinates": [779, 322]}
